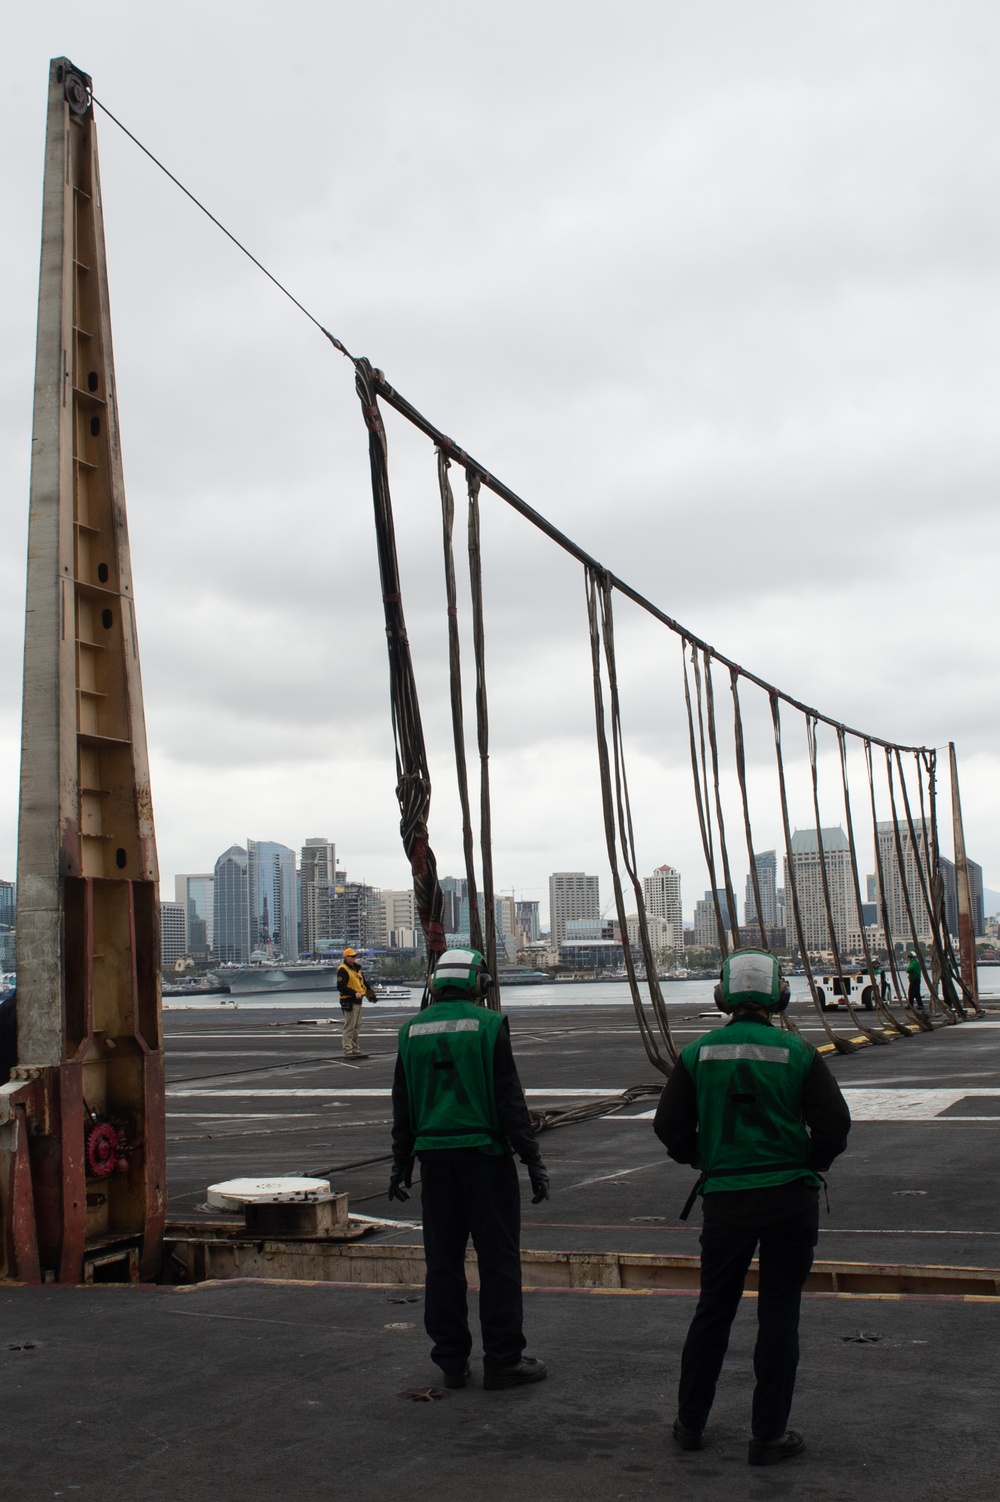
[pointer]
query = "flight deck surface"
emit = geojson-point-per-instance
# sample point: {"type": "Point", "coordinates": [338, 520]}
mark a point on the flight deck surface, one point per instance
{"type": "Point", "coordinates": [292, 1392]}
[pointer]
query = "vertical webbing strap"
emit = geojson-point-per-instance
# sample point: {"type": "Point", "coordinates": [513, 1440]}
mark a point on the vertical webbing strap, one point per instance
{"type": "Point", "coordinates": [413, 787]}
{"type": "Point", "coordinates": [457, 706]}
{"type": "Point", "coordinates": [483, 737]}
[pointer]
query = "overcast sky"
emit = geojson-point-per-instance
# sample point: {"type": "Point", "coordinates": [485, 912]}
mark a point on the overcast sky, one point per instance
{"type": "Point", "coordinates": [712, 286]}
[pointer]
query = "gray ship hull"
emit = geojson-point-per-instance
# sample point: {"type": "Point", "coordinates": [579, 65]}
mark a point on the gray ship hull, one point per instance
{"type": "Point", "coordinates": [257, 980]}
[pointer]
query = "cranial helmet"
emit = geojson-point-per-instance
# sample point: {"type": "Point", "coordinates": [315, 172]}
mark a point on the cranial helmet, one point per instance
{"type": "Point", "coordinates": [463, 971]}
{"type": "Point", "coordinates": [751, 976]}
{"type": "Point", "coordinates": [350, 954]}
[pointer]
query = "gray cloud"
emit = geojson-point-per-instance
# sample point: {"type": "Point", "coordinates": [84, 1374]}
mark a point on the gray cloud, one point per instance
{"type": "Point", "coordinates": [715, 291]}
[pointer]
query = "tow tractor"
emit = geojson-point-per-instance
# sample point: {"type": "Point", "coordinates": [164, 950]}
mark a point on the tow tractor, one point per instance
{"type": "Point", "coordinates": [833, 991]}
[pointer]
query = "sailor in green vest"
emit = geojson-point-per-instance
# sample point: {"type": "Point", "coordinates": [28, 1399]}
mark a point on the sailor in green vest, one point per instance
{"type": "Point", "coordinates": [757, 1110]}
{"type": "Point", "coordinates": [457, 1105]}
{"type": "Point", "coordinates": [913, 971]}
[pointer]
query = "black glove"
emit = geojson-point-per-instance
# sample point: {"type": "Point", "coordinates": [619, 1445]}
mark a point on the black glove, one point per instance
{"type": "Point", "coordinates": [400, 1180]}
{"type": "Point", "coordinates": [539, 1176]}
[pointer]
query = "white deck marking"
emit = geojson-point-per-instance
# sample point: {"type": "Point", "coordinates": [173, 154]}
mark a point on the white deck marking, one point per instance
{"type": "Point", "coordinates": [894, 1105]}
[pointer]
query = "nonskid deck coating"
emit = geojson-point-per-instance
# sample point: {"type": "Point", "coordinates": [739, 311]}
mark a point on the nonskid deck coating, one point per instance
{"type": "Point", "coordinates": [253, 1092]}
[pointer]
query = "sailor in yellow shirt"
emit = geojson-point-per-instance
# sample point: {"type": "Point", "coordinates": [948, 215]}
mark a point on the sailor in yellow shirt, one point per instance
{"type": "Point", "coordinates": [353, 989]}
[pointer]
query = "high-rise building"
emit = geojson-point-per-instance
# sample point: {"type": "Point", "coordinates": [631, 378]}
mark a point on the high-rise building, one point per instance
{"type": "Point", "coordinates": [8, 957]}
{"type": "Point", "coordinates": [706, 928]}
{"type": "Point", "coordinates": [951, 896]}
{"type": "Point", "coordinates": [317, 869]}
{"type": "Point", "coordinates": [353, 914]}
{"type": "Point", "coordinates": [173, 932]}
{"type": "Point", "coordinates": [915, 867]}
{"type": "Point", "coordinates": [273, 898]}
{"type": "Point", "coordinates": [978, 904]}
{"type": "Point", "coordinates": [402, 928]}
{"type": "Point", "coordinates": [807, 869]}
{"type": "Point", "coordinates": [766, 863]}
{"type": "Point", "coordinates": [526, 919]}
{"type": "Point", "coordinates": [661, 894]}
{"type": "Point", "coordinates": [455, 889]}
{"type": "Point", "coordinates": [572, 895]}
{"type": "Point", "coordinates": [231, 907]}
{"type": "Point", "coordinates": [196, 893]}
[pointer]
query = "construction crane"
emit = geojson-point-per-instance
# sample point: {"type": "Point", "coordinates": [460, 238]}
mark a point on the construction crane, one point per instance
{"type": "Point", "coordinates": [82, 1119]}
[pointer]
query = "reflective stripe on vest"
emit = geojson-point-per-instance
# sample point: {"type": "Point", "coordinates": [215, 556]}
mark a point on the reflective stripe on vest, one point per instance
{"type": "Point", "coordinates": [749, 1080]}
{"type": "Point", "coordinates": [447, 1056]}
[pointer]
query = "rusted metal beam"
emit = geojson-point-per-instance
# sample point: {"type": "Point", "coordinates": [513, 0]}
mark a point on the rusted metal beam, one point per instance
{"type": "Point", "coordinates": [90, 1056]}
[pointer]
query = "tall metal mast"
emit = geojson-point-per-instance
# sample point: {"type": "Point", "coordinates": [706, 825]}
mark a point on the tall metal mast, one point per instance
{"type": "Point", "coordinates": [82, 1153]}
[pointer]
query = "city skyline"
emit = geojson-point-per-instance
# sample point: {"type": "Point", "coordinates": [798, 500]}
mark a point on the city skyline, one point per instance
{"type": "Point", "coordinates": [663, 892]}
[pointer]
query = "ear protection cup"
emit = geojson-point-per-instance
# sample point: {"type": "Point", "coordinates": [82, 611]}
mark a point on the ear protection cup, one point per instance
{"type": "Point", "coordinates": [720, 1002]}
{"type": "Point", "coordinates": [485, 981]}
{"type": "Point", "coordinates": [784, 995]}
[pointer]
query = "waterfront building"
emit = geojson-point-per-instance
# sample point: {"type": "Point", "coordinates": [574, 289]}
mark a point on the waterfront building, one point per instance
{"type": "Point", "coordinates": [400, 922]}
{"type": "Point", "coordinates": [231, 907]}
{"type": "Point", "coordinates": [661, 895]}
{"type": "Point", "coordinates": [951, 896]}
{"type": "Point", "coordinates": [354, 915]}
{"type": "Point", "coordinates": [317, 870]}
{"type": "Point", "coordinates": [572, 896]}
{"type": "Point", "coordinates": [273, 898]}
{"type": "Point", "coordinates": [196, 893]}
{"type": "Point", "coordinates": [706, 929]}
{"type": "Point", "coordinates": [173, 932]}
{"type": "Point", "coordinates": [766, 863]}
{"type": "Point", "coordinates": [807, 868]}
{"type": "Point", "coordinates": [527, 923]}
{"type": "Point", "coordinates": [661, 935]}
{"type": "Point", "coordinates": [8, 955]}
{"type": "Point", "coordinates": [915, 866]}
{"type": "Point", "coordinates": [593, 954]}
{"type": "Point", "coordinates": [506, 916]}
{"type": "Point", "coordinates": [455, 889]}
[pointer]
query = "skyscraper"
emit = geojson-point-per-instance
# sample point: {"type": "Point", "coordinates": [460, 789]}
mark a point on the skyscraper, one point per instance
{"type": "Point", "coordinates": [766, 862]}
{"type": "Point", "coordinates": [402, 927]}
{"type": "Point", "coordinates": [8, 960]}
{"type": "Point", "coordinates": [273, 898]}
{"type": "Point", "coordinates": [196, 893]}
{"type": "Point", "coordinates": [662, 896]}
{"type": "Point", "coordinates": [572, 894]}
{"type": "Point", "coordinates": [915, 865]}
{"type": "Point", "coordinates": [527, 921]}
{"type": "Point", "coordinates": [455, 889]}
{"type": "Point", "coordinates": [317, 869]}
{"type": "Point", "coordinates": [231, 907]}
{"type": "Point", "coordinates": [951, 896]}
{"type": "Point", "coordinates": [807, 869]}
{"type": "Point", "coordinates": [173, 932]}
{"type": "Point", "coordinates": [706, 927]}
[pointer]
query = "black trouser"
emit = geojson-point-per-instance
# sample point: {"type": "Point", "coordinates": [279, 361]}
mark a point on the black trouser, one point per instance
{"type": "Point", "coordinates": [786, 1254]}
{"type": "Point", "coordinates": [913, 992]}
{"type": "Point", "coordinates": [480, 1198]}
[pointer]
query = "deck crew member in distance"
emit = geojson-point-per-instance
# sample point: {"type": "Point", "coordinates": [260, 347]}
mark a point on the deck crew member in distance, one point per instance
{"type": "Point", "coordinates": [760, 1114]}
{"type": "Point", "coordinates": [353, 988]}
{"type": "Point", "coordinates": [457, 1104]}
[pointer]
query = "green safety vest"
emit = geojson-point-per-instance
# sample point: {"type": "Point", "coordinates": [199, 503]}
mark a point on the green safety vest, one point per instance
{"type": "Point", "coordinates": [447, 1054]}
{"type": "Point", "coordinates": [751, 1135]}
